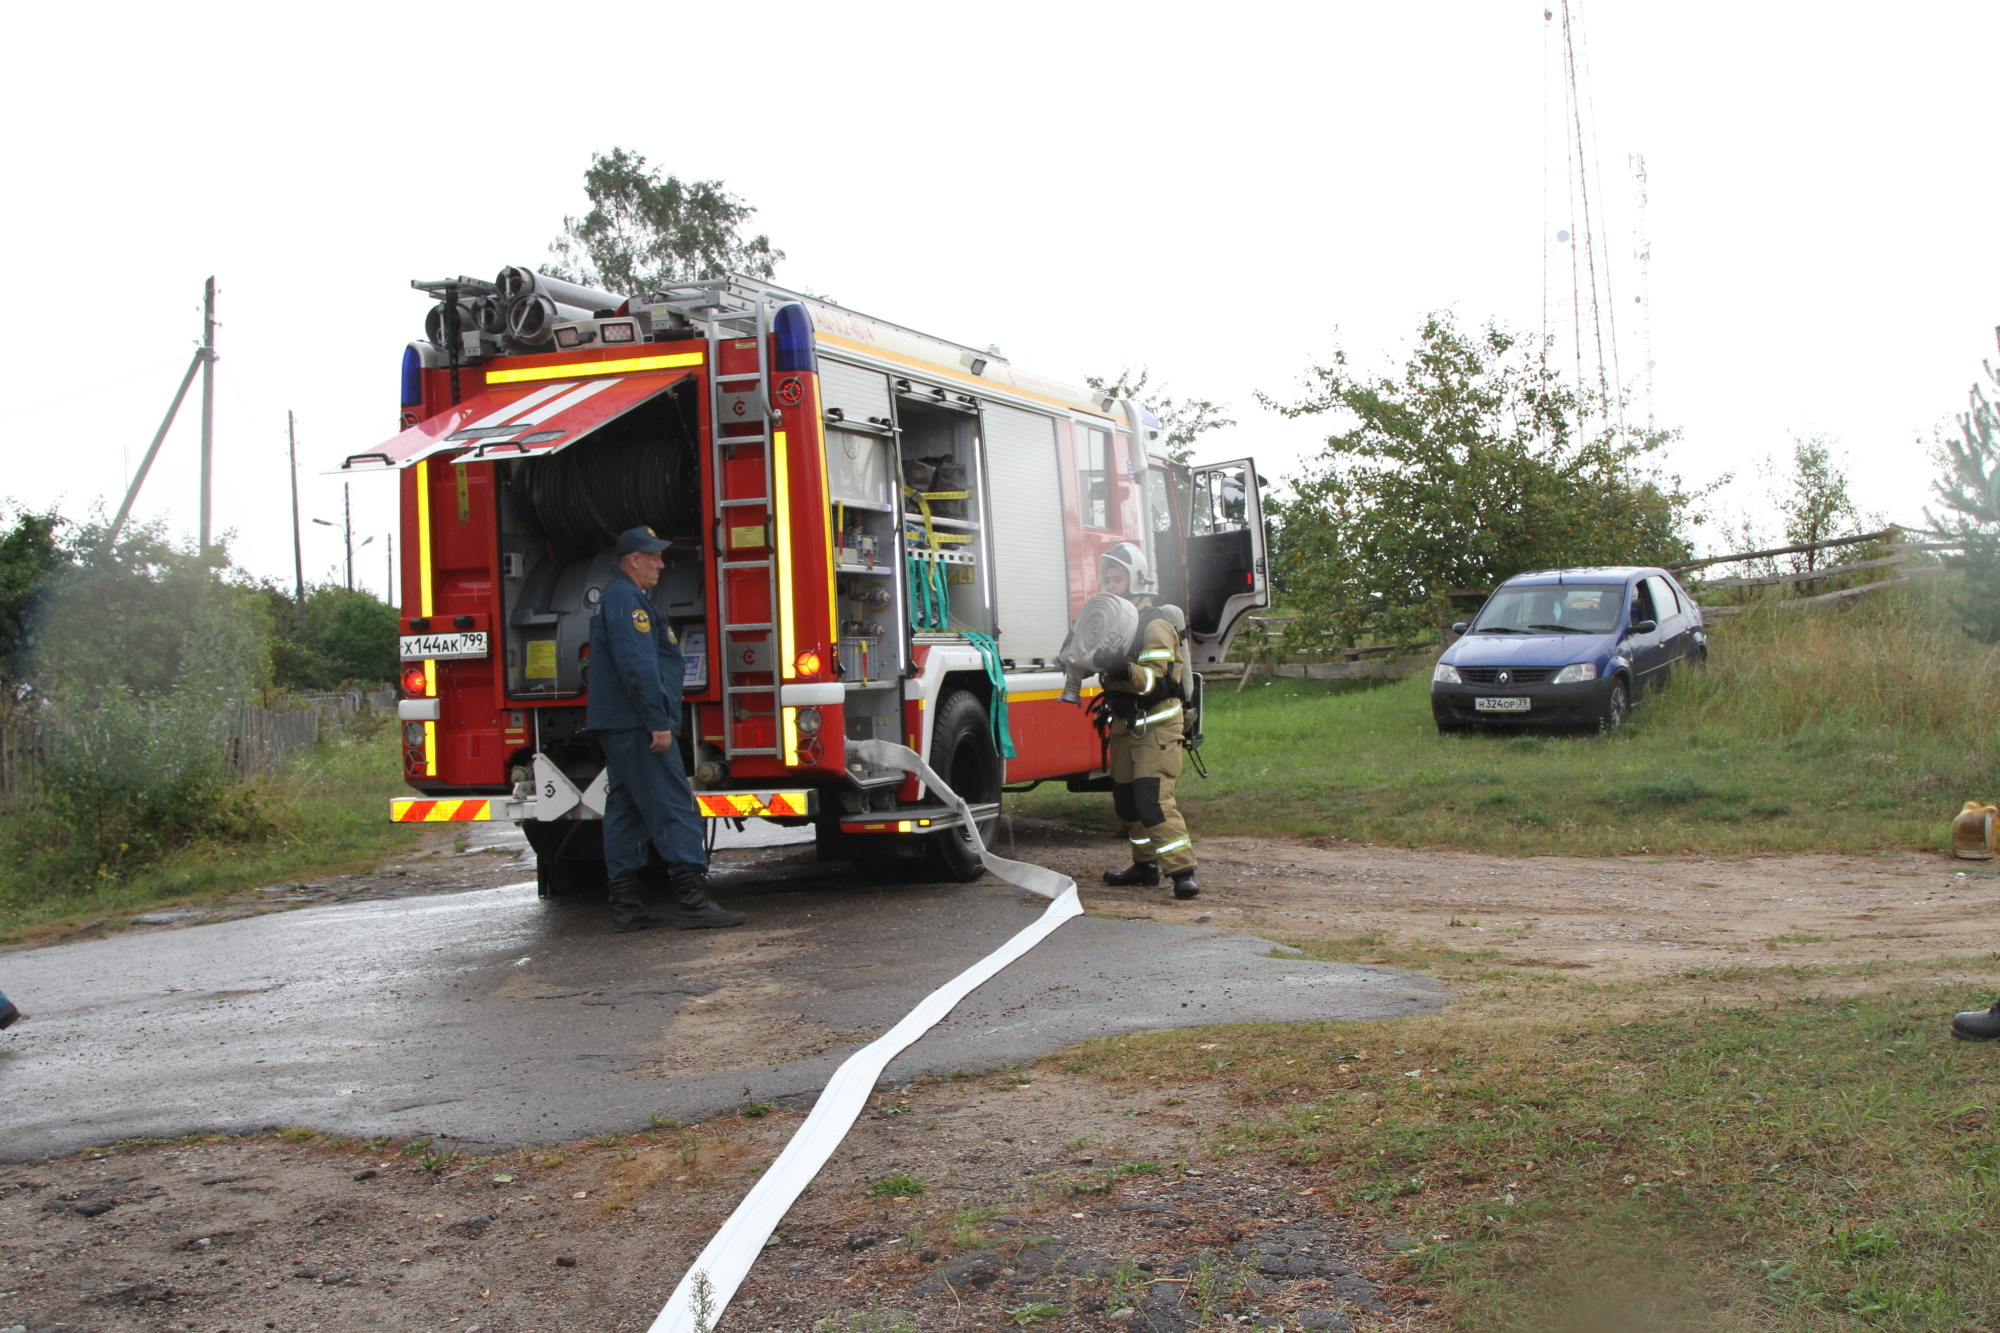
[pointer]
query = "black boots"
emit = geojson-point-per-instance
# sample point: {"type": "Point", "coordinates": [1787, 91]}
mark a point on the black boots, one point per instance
{"type": "Point", "coordinates": [1146, 874]}
{"type": "Point", "coordinates": [698, 911]}
{"type": "Point", "coordinates": [1977, 1024]}
{"type": "Point", "coordinates": [627, 911]}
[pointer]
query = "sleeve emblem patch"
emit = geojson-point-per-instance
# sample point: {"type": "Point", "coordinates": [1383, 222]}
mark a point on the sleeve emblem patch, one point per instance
{"type": "Point", "coordinates": [642, 622]}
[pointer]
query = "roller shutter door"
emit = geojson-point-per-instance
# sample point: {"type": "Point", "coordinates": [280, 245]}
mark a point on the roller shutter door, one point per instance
{"type": "Point", "coordinates": [859, 394]}
{"type": "Point", "coordinates": [1031, 578]}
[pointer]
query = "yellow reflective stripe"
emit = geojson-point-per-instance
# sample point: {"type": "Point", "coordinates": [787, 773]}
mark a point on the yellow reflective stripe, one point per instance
{"type": "Point", "coordinates": [783, 555]}
{"type": "Point", "coordinates": [1139, 842]}
{"type": "Point", "coordinates": [825, 490]}
{"type": "Point", "coordinates": [424, 605]}
{"type": "Point", "coordinates": [791, 737]}
{"type": "Point", "coordinates": [1158, 655]}
{"type": "Point", "coordinates": [1162, 714]}
{"type": "Point", "coordinates": [424, 538]}
{"type": "Point", "coordinates": [630, 365]}
{"type": "Point", "coordinates": [1174, 846]}
{"type": "Point", "coordinates": [1146, 688]}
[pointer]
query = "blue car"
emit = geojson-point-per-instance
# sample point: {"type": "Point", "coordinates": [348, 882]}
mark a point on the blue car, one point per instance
{"type": "Point", "coordinates": [1567, 648]}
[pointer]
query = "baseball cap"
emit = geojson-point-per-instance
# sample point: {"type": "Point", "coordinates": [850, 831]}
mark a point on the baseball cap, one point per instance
{"type": "Point", "coordinates": [639, 539]}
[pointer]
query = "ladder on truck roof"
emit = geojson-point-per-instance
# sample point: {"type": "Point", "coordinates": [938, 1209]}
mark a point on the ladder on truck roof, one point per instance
{"type": "Point", "coordinates": [727, 310]}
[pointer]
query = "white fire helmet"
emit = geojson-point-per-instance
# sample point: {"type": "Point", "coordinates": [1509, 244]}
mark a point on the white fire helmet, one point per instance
{"type": "Point", "coordinates": [1132, 560]}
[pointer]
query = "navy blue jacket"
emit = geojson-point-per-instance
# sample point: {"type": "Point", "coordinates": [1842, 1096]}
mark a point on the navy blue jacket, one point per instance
{"type": "Point", "coordinates": [635, 663]}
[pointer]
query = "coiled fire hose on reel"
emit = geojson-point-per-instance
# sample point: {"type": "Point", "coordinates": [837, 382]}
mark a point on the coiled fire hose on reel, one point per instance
{"type": "Point", "coordinates": [711, 1281]}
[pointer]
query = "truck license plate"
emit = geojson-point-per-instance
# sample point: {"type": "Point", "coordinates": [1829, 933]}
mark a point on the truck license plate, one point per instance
{"type": "Point", "coordinates": [443, 647]}
{"type": "Point", "coordinates": [1513, 705]}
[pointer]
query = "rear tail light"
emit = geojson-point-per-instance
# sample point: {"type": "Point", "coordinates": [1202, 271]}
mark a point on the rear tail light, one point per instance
{"type": "Point", "coordinates": [413, 735]}
{"type": "Point", "coordinates": [413, 681]}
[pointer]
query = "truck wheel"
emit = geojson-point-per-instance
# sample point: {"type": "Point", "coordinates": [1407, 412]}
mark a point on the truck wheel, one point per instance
{"type": "Point", "coordinates": [962, 753]}
{"type": "Point", "coordinates": [569, 856]}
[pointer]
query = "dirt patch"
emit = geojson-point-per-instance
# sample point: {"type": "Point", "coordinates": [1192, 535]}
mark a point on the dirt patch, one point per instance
{"type": "Point", "coordinates": [953, 1205]}
{"type": "Point", "coordinates": [1625, 914]}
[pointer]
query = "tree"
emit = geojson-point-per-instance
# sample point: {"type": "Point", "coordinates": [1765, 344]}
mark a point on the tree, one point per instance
{"type": "Point", "coordinates": [646, 230]}
{"type": "Point", "coordinates": [343, 637]}
{"type": "Point", "coordinates": [1817, 505]}
{"type": "Point", "coordinates": [1969, 491]}
{"type": "Point", "coordinates": [1182, 420]}
{"type": "Point", "coordinates": [1466, 468]}
{"type": "Point", "coordinates": [31, 553]}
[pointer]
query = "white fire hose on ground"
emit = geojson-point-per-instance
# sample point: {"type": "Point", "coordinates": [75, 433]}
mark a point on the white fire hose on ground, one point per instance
{"type": "Point", "coordinates": [711, 1281]}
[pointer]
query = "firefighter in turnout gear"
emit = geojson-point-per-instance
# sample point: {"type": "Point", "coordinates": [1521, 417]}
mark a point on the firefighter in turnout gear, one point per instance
{"type": "Point", "coordinates": [1145, 687]}
{"type": "Point", "coordinates": [634, 710]}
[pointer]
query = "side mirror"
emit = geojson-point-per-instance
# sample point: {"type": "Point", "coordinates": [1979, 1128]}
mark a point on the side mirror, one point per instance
{"type": "Point", "coordinates": [1459, 627]}
{"type": "Point", "coordinates": [1644, 626]}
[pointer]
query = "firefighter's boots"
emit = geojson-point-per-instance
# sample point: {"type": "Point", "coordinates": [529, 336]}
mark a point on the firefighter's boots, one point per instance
{"type": "Point", "coordinates": [628, 911]}
{"type": "Point", "coordinates": [698, 911]}
{"type": "Point", "coordinates": [1977, 1025]}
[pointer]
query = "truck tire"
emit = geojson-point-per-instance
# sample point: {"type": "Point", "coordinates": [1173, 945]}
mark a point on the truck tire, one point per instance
{"type": "Point", "coordinates": [962, 754]}
{"type": "Point", "coordinates": [569, 856]}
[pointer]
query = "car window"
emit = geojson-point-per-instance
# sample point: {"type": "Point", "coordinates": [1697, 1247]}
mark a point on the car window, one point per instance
{"type": "Point", "coordinates": [1551, 608]}
{"type": "Point", "coordinates": [1642, 601]}
{"type": "Point", "coordinates": [1664, 600]}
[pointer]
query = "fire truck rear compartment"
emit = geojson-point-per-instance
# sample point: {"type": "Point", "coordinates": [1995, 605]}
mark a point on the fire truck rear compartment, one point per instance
{"type": "Point", "coordinates": [559, 516]}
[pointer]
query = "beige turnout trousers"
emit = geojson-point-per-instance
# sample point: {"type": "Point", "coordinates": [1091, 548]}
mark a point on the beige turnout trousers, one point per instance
{"type": "Point", "coordinates": [1143, 772]}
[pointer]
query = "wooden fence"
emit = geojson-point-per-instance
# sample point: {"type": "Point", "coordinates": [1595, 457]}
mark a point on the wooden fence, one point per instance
{"type": "Point", "coordinates": [1895, 569]}
{"type": "Point", "coordinates": [1392, 661]}
{"type": "Point", "coordinates": [260, 741]}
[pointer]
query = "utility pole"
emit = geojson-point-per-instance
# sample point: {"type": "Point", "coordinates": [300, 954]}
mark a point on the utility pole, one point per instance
{"type": "Point", "coordinates": [347, 505]}
{"type": "Point", "coordinates": [298, 543]}
{"type": "Point", "coordinates": [207, 409]}
{"type": "Point", "coordinates": [203, 360]}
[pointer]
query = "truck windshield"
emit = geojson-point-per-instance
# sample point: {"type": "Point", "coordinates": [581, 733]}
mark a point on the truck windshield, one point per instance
{"type": "Point", "coordinates": [1549, 608]}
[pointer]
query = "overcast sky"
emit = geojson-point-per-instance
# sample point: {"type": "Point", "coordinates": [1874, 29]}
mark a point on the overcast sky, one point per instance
{"type": "Point", "coordinates": [1224, 194]}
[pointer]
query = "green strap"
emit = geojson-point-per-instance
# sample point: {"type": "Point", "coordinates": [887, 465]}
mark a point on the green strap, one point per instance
{"type": "Point", "coordinates": [989, 657]}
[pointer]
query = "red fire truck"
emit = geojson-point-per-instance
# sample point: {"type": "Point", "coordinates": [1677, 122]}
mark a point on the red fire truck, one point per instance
{"type": "Point", "coordinates": [877, 534]}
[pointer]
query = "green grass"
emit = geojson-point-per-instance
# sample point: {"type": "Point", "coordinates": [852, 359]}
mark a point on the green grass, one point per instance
{"type": "Point", "coordinates": [1847, 731]}
{"type": "Point", "coordinates": [327, 814]}
{"type": "Point", "coordinates": [898, 1186]}
{"type": "Point", "coordinates": [1572, 1156]}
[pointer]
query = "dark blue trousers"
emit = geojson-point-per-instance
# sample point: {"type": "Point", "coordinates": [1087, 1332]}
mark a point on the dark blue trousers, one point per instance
{"type": "Point", "coordinates": [650, 800]}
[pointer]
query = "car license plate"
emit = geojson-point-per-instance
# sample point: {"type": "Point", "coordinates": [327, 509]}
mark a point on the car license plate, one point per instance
{"type": "Point", "coordinates": [443, 647]}
{"type": "Point", "coordinates": [1502, 705]}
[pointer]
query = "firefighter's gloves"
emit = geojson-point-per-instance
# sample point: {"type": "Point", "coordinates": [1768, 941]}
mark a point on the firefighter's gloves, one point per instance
{"type": "Point", "coordinates": [1112, 665]}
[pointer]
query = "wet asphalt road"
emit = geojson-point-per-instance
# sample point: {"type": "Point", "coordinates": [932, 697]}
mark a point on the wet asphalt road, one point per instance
{"type": "Point", "coordinates": [491, 1017]}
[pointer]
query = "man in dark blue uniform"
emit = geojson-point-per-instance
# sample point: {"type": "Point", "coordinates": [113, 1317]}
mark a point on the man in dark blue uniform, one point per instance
{"type": "Point", "coordinates": [634, 710]}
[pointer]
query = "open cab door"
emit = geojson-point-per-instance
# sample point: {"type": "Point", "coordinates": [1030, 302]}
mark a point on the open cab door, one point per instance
{"type": "Point", "coordinates": [1228, 573]}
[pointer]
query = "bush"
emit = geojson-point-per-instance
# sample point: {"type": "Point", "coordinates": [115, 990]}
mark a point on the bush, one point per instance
{"type": "Point", "coordinates": [143, 663]}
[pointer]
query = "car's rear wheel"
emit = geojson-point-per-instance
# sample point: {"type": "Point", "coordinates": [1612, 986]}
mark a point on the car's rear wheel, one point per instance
{"type": "Point", "coordinates": [1617, 706]}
